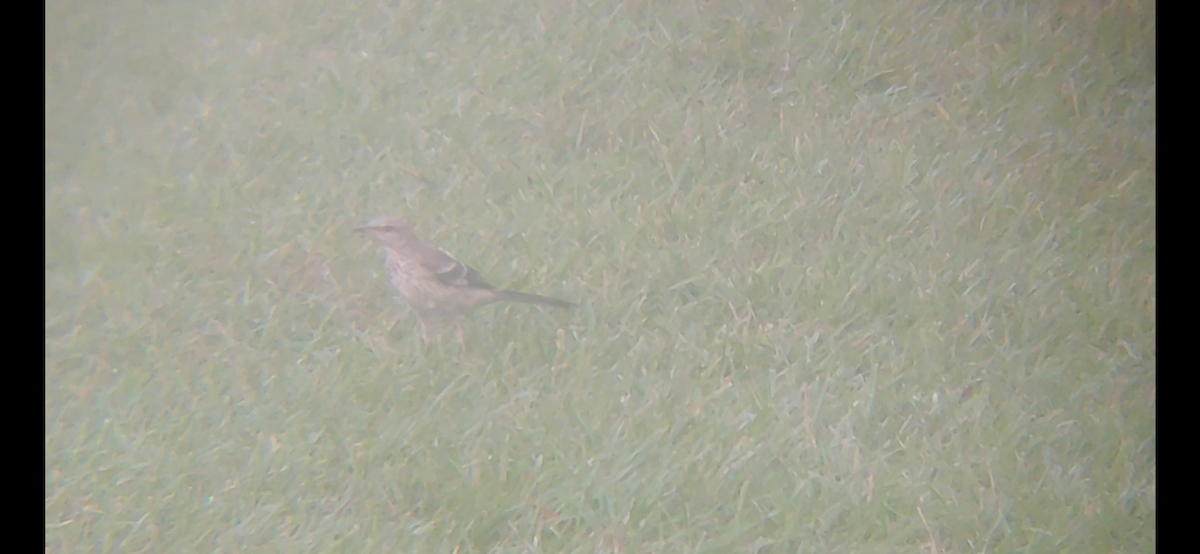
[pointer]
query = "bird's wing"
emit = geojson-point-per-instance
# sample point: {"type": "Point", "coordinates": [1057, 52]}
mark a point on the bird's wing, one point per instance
{"type": "Point", "coordinates": [450, 271]}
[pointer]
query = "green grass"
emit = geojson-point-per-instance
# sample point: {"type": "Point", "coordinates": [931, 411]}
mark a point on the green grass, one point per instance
{"type": "Point", "coordinates": [854, 276]}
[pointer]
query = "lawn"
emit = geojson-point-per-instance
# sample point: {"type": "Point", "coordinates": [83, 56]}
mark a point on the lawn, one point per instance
{"type": "Point", "coordinates": [853, 276]}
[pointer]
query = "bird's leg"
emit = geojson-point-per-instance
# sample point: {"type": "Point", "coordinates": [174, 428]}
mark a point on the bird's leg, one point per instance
{"type": "Point", "coordinates": [462, 334]}
{"type": "Point", "coordinates": [426, 339]}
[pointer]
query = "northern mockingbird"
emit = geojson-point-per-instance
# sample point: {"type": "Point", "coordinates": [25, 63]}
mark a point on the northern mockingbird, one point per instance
{"type": "Point", "coordinates": [434, 284]}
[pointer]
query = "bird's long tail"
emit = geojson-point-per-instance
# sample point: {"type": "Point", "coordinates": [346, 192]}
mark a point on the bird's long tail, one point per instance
{"type": "Point", "coordinates": [527, 298]}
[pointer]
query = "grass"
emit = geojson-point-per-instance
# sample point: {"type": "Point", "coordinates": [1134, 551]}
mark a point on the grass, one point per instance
{"type": "Point", "coordinates": [854, 277]}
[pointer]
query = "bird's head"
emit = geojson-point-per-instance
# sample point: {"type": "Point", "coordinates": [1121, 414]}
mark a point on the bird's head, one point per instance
{"type": "Point", "coordinates": [387, 229]}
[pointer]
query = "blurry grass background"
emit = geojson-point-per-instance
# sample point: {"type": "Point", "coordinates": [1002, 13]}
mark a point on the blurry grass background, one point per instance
{"type": "Point", "coordinates": [854, 276]}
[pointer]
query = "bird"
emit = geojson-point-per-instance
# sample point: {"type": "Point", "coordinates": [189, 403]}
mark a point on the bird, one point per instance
{"type": "Point", "coordinates": [436, 285]}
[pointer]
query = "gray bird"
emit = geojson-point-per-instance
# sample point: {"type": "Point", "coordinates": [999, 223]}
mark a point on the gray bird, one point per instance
{"type": "Point", "coordinates": [436, 285]}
